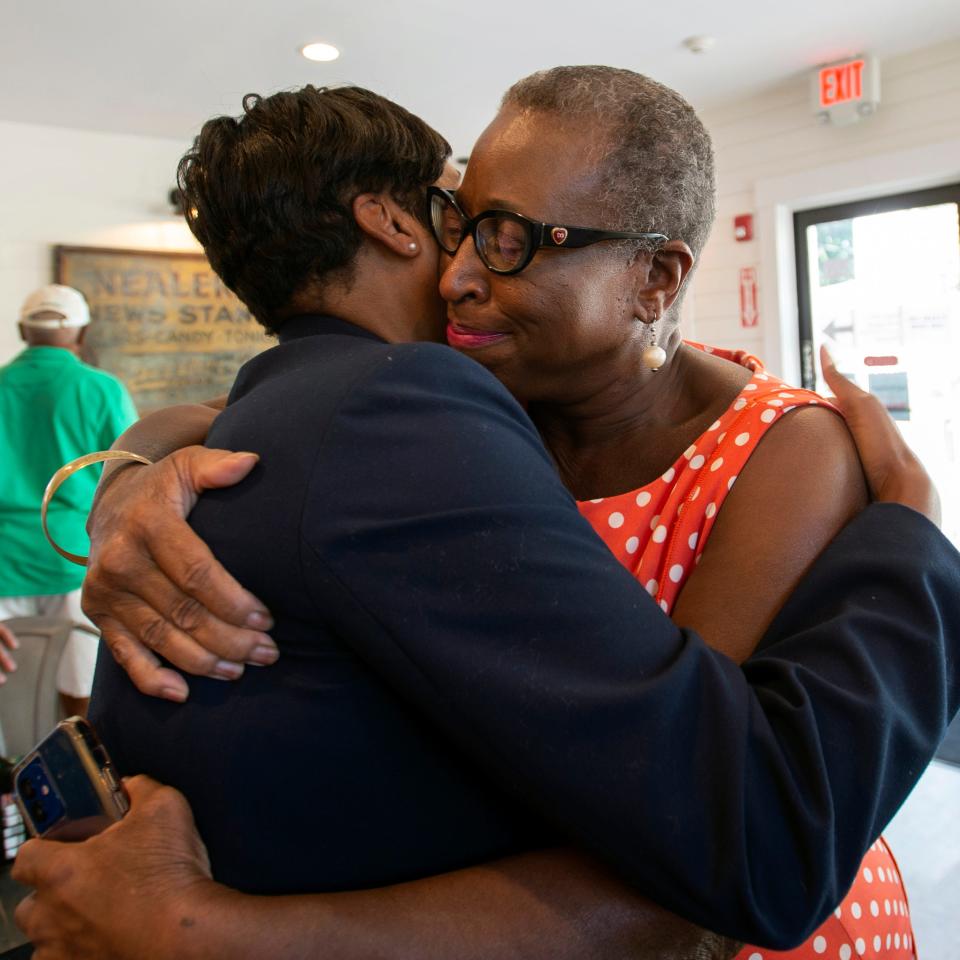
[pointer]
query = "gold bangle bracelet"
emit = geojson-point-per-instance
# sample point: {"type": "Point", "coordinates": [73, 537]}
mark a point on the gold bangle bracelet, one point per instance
{"type": "Point", "coordinates": [68, 470]}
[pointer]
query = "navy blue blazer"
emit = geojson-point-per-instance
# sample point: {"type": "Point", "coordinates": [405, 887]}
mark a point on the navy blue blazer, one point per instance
{"type": "Point", "coordinates": [463, 661]}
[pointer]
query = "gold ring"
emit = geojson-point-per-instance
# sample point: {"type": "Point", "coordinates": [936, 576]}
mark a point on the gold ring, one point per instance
{"type": "Point", "coordinates": [68, 470]}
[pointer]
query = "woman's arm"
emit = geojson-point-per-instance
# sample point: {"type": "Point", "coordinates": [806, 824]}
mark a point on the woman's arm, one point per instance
{"type": "Point", "coordinates": [162, 432]}
{"type": "Point", "coordinates": [152, 870]}
{"type": "Point", "coordinates": [800, 487]}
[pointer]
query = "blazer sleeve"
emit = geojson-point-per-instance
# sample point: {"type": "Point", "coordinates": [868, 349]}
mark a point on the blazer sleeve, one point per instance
{"type": "Point", "coordinates": [439, 540]}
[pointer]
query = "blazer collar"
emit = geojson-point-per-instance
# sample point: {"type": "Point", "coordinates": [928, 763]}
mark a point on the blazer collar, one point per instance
{"type": "Point", "coordinates": [316, 324]}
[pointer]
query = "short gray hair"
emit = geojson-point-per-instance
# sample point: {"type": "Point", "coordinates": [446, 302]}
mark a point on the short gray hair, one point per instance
{"type": "Point", "coordinates": [656, 160]}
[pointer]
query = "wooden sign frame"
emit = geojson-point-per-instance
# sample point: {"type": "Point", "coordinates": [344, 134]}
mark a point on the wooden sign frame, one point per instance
{"type": "Point", "coordinates": [162, 321]}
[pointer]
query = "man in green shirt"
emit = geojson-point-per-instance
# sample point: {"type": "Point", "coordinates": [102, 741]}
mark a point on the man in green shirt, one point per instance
{"type": "Point", "coordinates": [53, 408]}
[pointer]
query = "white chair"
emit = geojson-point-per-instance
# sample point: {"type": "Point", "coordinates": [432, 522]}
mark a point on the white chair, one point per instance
{"type": "Point", "coordinates": [29, 701]}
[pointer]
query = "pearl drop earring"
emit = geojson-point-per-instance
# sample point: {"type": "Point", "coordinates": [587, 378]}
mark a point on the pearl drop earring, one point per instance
{"type": "Point", "coordinates": [653, 356]}
{"type": "Point", "coordinates": [412, 246]}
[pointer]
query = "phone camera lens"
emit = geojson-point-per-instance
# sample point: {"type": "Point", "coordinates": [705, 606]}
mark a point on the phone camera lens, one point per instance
{"type": "Point", "coordinates": [26, 788]}
{"type": "Point", "coordinates": [39, 814]}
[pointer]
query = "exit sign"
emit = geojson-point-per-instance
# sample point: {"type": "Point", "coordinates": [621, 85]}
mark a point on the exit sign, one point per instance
{"type": "Point", "coordinates": [846, 92]}
{"type": "Point", "coordinates": [841, 83]}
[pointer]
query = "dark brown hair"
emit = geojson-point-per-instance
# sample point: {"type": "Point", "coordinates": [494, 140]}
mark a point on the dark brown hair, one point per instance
{"type": "Point", "coordinates": [269, 195]}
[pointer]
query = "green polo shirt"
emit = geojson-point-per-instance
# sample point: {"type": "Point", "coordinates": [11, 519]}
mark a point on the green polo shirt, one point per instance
{"type": "Point", "coordinates": [53, 408]}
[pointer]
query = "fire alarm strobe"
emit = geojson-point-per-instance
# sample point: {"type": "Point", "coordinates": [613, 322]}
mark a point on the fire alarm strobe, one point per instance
{"type": "Point", "coordinates": [847, 91]}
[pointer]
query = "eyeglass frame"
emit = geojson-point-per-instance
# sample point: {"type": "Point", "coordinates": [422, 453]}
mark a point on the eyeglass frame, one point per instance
{"type": "Point", "coordinates": [556, 236]}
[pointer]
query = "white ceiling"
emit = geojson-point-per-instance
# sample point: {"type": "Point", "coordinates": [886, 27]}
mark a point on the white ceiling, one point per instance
{"type": "Point", "coordinates": [161, 68]}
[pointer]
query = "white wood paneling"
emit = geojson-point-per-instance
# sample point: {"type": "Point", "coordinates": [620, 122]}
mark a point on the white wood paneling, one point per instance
{"type": "Point", "coordinates": [774, 139]}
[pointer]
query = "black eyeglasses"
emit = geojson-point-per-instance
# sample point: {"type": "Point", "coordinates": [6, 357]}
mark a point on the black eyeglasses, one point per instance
{"type": "Point", "coordinates": [506, 241]}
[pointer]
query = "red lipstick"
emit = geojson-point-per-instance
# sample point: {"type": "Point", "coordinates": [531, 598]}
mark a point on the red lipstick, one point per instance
{"type": "Point", "coordinates": [465, 338]}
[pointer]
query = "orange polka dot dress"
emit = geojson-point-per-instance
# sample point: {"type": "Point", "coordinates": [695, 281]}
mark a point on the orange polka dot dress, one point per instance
{"type": "Point", "coordinates": [658, 533]}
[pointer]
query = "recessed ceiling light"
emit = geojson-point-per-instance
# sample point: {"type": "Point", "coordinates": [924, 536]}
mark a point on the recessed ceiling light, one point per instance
{"type": "Point", "coordinates": [321, 52]}
{"type": "Point", "coordinates": [699, 44]}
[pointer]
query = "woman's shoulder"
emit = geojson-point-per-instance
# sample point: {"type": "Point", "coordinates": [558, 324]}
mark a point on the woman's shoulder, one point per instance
{"type": "Point", "coordinates": [779, 429]}
{"type": "Point", "coordinates": [765, 398]}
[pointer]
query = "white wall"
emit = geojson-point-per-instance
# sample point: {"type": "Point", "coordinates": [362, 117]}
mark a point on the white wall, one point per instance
{"type": "Point", "coordinates": [75, 187]}
{"type": "Point", "coordinates": [64, 186]}
{"type": "Point", "coordinates": [774, 158]}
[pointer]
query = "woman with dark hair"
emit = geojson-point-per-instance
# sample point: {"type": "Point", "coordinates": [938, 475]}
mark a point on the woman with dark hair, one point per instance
{"type": "Point", "coordinates": [568, 328]}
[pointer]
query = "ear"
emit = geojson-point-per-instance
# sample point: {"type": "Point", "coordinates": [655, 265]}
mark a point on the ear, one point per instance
{"type": "Point", "coordinates": [384, 221]}
{"type": "Point", "coordinates": [81, 335]}
{"type": "Point", "coordinates": [662, 279]}
{"type": "Point", "coordinates": [23, 332]}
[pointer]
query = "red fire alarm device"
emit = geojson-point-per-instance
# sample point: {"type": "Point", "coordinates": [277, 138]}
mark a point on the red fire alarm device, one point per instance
{"type": "Point", "coordinates": [743, 226]}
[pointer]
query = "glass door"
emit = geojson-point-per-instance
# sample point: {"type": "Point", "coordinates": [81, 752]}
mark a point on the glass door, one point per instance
{"type": "Point", "coordinates": [878, 281]}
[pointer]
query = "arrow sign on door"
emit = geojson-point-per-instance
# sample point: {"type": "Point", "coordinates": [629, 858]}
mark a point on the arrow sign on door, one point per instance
{"type": "Point", "coordinates": [833, 328]}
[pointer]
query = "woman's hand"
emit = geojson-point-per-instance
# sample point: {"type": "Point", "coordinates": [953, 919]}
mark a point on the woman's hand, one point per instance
{"type": "Point", "coordinates": [153, 586]}
{"type": "Point", "coordinates": [133, 892]}
{"type": "Point", "coordinates": [893, 472]}
{"type": "Point", "coordinates": [7, 642]}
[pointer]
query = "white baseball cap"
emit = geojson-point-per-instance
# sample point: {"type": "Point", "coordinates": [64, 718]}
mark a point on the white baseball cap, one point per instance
{"type": "Point", "coordinates": [55, 298]}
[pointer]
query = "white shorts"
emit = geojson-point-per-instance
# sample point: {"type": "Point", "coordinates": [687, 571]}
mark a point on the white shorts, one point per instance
{"type": "Point", "coordinates": [75, 673]}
